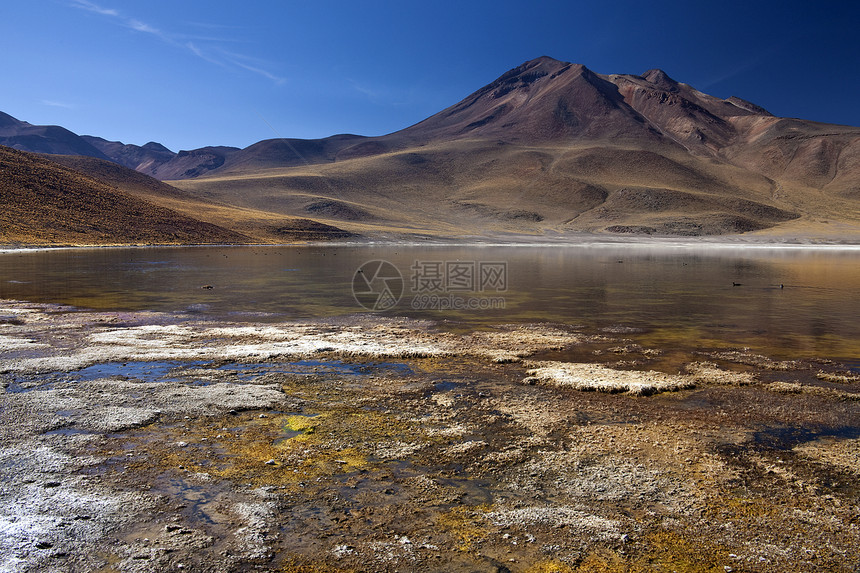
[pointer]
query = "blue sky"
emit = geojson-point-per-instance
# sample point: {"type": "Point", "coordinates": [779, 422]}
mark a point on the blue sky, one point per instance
{"type": "Point", "coordinates": [193, 73]}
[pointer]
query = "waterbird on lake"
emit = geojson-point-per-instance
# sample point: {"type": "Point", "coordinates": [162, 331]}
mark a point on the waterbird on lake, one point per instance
{"type": "Point", "coordinates": [736, 284]}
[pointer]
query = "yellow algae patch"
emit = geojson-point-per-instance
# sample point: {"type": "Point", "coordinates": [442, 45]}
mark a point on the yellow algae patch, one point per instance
{"type": "Point", "coordinates": [659, 551]}
{"type": "Point", "coordinates": [298, 423]}
{"type": "Point", "coordinates": [278, 449]}
{"type": "Point", "coordinates": [552, 566]}
{"type": "Point", "coordinates": [303, 565]}
{"type": "Point", "coordinates": [358, 427]}
{"type": "Point", "coordinates": [670, 551]}
{"type": "Point", "coordinates": [743, 507]}
{"type": "Point", "coordinates": [329, 461]}
{"type": "Point", "coordinates": [465, 525]}
{"type": "Point", "coordinates": [603, 561]}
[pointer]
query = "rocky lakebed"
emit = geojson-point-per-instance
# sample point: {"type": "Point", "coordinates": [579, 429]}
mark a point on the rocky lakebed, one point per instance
{"type": "Point", "coordinates": [150, 441]}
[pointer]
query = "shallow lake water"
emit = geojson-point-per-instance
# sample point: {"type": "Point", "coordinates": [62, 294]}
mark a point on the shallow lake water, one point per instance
{"type": "Point", "coordinates": [784, 302]}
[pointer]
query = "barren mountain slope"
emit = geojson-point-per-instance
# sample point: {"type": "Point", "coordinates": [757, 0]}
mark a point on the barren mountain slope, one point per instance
{"type": "Point", "coordinates": [255, 225]}
{"type": "Point", "coordinates": [475, 187]}
{"type": "Point", "coordinates": [46, 203]}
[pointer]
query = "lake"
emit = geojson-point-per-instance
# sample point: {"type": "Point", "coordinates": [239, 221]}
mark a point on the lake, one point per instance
{"type": "Point", "coordinates": [784, 302]}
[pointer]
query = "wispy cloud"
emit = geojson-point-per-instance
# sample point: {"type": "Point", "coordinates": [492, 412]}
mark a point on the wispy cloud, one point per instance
{"type": "Point", "coordinates": [264, 73]}
{"type": "Point", "coordinates": [752, 63]}
{"type": "Point", "coordinates": [729, 74]}
{"type": "Point", "coordinates": [224, 58]}
{"type": "Point", "coordinates": [383, 94]}
{"type": "Point", "coordinates": [214, 26]}
{"type": "Point", "coordinates": [203, 55]}
{"type": "Point", "coordinates": [143, 27]}
{"type": "Point", "coordinates": [61, 104]}
{"type": "Point", "coordinates": [250, 64]}
{"type": "Point", "coordinates": [371, 93]}
{"type": "Point", "coordinates": [89, 6]}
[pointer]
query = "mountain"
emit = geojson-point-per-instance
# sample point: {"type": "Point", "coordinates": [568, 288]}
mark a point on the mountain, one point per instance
{"type": "Point", "coordinates": [542, 100]}
{"type": "Point", "coordinates": [271, 153]}
{"type": "Point", "coordinates": [548, 147]}
{"type": "Point", "coordinates": [43, 138]}
{"type": "Point", "coordinates": [261, 155]}
{"type": "Point", "coordinates": [554, 147]}
{"type": "Point", "coordinates": [156, 160]}
{"type": "Point", "coordinates": [151, 159]}
{"type": "Point", "coordinates": [46, 203]}
{"type": "Point", "coordinates": [140, 158]}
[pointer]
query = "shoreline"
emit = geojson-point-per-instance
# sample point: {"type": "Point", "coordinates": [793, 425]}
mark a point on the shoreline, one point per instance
{"type": "Point", "coordinates": [513, 241]}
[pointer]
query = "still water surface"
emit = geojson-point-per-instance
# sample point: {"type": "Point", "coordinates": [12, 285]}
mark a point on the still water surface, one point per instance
{"type": "Point", "coordinates": [681, 296]}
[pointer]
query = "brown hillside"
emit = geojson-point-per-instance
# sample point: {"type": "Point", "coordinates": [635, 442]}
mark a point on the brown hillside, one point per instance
{"type": "Point", "coordinates": [46, 203]}
{"type": "Point", "coordinates": [476, 187]}
{"type": "Point", "coordinates": [123, 178]}
{"type": "Point", "coordinates": [43, 138]}
{"type": "Point", "coordinates": [255, 225]}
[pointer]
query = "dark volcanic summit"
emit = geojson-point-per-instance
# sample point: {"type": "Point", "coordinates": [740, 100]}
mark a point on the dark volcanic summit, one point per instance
{"type": "Point", "coordinates": [541, 100]}
{"type": "Point", "coordinates": [547, 100]}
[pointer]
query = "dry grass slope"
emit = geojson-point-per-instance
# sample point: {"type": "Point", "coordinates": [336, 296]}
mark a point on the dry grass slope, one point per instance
{"type": "Point", "coordinates": [466, 187]}
{"type": "Point", "coordinates": [46, 203]}
{"type": "Point", "coordinates": [247, 225]}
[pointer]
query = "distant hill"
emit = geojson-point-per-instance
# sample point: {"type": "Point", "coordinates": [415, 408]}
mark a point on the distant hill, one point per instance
{"type": "Point", "coordinates": [157, 161]}
{"type": "Point", "coordinates": [43, 138]}
{"type": "Point", "coordinates": [46, 203]}
{"type": "Point", "coordinates": [548, 147]}
{"type": "Point", "coordinates": [140, 158]}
